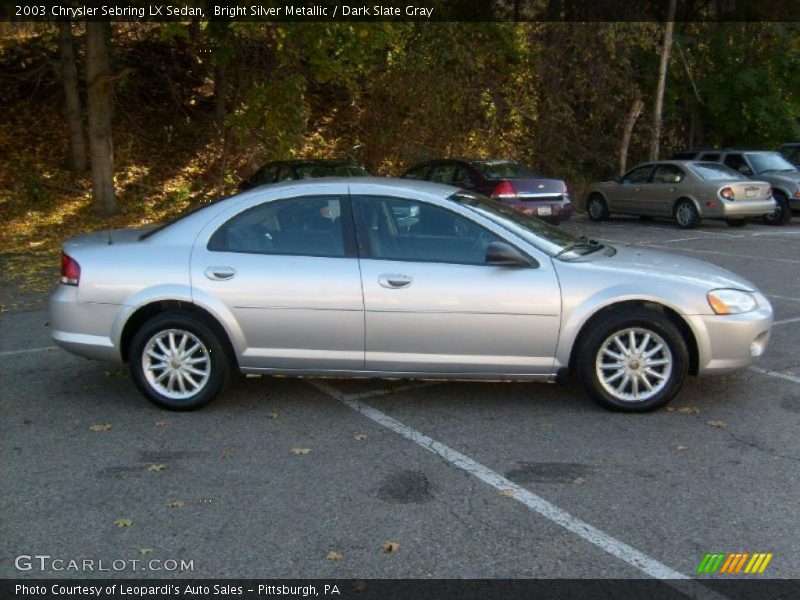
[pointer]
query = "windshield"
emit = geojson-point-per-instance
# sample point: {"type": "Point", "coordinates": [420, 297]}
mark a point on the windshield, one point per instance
{"type": "Point", "coordinates": [716, 172]}
{"type": "Point", "coordinates": [764, 162]}
{"type": "Point", "coordinates": [548, 238]}
{"type": "Point", "coordinates": [313, 171]}
{"type": "Point", "coordinates": [503, 169]}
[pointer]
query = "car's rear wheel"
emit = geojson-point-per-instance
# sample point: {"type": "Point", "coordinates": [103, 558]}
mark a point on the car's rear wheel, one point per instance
{"type": "Point", "coordinates": [597, 208]}
{"type": "Point", "coordinates": [686, 214]}
{"type": "Point", "coordinates": [634, 361]}
{"type": "Point", "coordinates": [782, 213]}
{"type": "Point", "coordinates": [736, 222]}
{"type": "Point", "coordinates": [178, 362]}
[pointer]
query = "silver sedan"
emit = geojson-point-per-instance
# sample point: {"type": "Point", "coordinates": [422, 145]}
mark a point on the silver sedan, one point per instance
{"type": "Point", "coordinates": [685, 190]}
{"type": "Point", "coordinates": [396, 278]}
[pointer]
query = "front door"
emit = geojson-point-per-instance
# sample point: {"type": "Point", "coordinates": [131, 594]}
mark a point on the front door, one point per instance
{"type": "Point", "coordinates": [434, 306]}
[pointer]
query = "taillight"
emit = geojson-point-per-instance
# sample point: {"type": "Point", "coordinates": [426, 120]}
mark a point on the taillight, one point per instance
{"type": "Point", "coordinates": [726, 193]}
{"type": "Point", "coordinates": [566, 190]}
{"type": "Point", "coordinates": [504, 190]}
{"type": "Point", "coordinates": [70, 270]}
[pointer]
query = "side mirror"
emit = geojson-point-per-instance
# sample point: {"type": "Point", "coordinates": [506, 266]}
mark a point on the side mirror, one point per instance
{"type": "Point", "coordinates": [501, 254]}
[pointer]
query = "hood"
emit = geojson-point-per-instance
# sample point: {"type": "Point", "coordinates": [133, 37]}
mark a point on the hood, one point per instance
{"type": "Point", "coordinates": [671, 266]}
{"type": "Point", "coordinates": [790, 178]}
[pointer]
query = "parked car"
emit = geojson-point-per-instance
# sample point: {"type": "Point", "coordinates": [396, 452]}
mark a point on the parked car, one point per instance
{"type": "Point", "coordinates": [687, 191]}
{"type": "Point", "coordinates": [315, 278]}
{"type": "Point", "coordinates": [763, 165]}
{"type": "Point", "coordinates": [791, 152]}
{"type": "Point", "coordinates": [508, 182]}
{"type": "Point", "coordinates": [287, 170]}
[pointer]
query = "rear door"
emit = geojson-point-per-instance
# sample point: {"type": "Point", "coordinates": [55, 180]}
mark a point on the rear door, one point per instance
{"type": "Point", "coordinates": [432, 304]}
{"type": "Point", "coordinates": [668, 180]}
{"type": "Point", "coordinates": [286, 276]}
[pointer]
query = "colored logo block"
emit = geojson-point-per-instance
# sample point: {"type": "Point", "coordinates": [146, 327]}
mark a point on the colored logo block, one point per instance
{"type": "Point", "coordinates": [734, 562]}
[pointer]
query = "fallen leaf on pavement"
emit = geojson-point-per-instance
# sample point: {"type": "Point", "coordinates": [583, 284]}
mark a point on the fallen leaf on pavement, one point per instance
{"type": "Point", "coordinates": [334, 555]}
{"type": "Point", "coordinates": [273, 415]}
{"type": "Point", "coordinates": [683, 447]}
{"type": "Point", "coordinates": [123, 522]}
{"type": "Point", "coordinates": [390, 547]}
{"type": "Point", "coordinates": [720, 424]}
{"type": "Point", "coordinates": [100, 427]}
{"type": "Point", "coordinates": [359, 585]}
{"type": "Point", "coordinates": [301, 450]}
{"type": "Point", "coordinates": [360, 437]}
{"type": "Point", "coordinates": [684, 410]}
{"type": "Point", "coordinates": [508, 493]}
{"type": "Point", "coordinates": [226, 453]}
{"type": "Point", "coordinates": [156, 468]}
{"type": "Point", "coordinates": [145, 551]}
{"type": "Point", "coordinates": [579, 481]}
{"type": "Point", "coordinates": [160, 423]}
{"type": "Point", "coordinates": [176, 504]}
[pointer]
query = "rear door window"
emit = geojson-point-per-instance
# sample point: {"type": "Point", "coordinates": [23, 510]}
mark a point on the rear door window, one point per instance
{"type": "Point", "coordinates": [668, 174]}
{"type": "Point", "coordinates": [638, 175]}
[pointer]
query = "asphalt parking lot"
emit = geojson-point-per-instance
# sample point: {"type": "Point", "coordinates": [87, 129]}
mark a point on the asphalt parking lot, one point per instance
{"type": "Point", "coordinates": [303, 478]}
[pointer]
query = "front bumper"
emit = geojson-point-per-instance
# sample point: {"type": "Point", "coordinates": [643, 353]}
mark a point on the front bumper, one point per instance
{"type": "Point", "coordinates": [82, 328]}
{"type": "Point", "coordinates": [728, 342]}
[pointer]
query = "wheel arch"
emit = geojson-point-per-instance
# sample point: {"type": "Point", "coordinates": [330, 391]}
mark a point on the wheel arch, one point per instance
{"type": "Point", "coordinates": [690, 199]}
{"type": "Point", "coordinates": [147, 311]}
{"type": "Point", "coordinates": [673, 315]}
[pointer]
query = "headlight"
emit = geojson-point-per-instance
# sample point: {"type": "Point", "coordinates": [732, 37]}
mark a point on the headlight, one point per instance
{"type": "Point", "coordinates": [731, 302]}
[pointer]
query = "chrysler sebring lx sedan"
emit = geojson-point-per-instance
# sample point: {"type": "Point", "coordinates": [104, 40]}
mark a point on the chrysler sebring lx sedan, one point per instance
{"type": "Point", "coordinates": [685, 190]}
{"type": "Point", "coordinates": [319, 278]}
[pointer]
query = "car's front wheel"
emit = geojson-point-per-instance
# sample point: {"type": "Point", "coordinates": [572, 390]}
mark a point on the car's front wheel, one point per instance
{"type": "Point", "coordinates": [597, 208]}
{"type": "Point", "coordinates": [178, 362]}
{"type": "Point", "coordinates": [782, 213]}
{"type": "Point", "coordinates": [633, 361]}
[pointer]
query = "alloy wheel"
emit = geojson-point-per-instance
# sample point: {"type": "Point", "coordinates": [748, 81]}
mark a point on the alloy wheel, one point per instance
{"type": "Point", "coordinates": [176, 363]}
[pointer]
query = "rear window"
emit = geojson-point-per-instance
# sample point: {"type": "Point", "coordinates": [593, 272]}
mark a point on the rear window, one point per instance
{"type": "Point", "coordinates": [177, 219]}
{"type": "Point", "coordinates": [503, 169]}
{"type": "Point", "coordinates": [709, 171]}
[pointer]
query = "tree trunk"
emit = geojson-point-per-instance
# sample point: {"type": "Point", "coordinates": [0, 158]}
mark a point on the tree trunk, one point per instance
{"type": "Point", "coordinates": [633, 115]}
{"type": "Point", "coordinates": [220, 89]}
{"type": "Point", "coordinates": [662, 81]}
{"type": "Point", "coordinates": [72, 100]}
{"type": "Point", "coordinates": [99, 109]}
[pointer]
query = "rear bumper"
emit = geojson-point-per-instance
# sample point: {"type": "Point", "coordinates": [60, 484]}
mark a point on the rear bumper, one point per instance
{"type": "Point", "coordinates": [728, 342]}
{"type": "Point", "coordinates": [551, 210]}
{"type": "Point", "coordinates": [82, 328]}
{"type": "Point", "coordinates": [734, 210]}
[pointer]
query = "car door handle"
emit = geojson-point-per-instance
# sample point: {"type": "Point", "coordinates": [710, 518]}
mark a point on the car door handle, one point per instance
{"type": "Point", "coordinates": [394, 281]}
{"type": "Point", "coordinates": [220, 273]}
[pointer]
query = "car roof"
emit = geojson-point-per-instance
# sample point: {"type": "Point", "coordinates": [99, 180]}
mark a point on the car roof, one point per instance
{"type": "Point", "coordinates": [698, 150]}
{"type": "Point", "coordinates": [411, 185]}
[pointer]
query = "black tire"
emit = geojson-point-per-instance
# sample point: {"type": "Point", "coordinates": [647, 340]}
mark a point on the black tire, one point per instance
{"type": "Point", "coordinates": [217, 361]}
{"type": "Point", "coordinates": [596, 208]}
{"type": "Point", "coordinates": [686, 214]}
{"type": "Point", "coordinates": [736, 222]}
{"type": "Point", "coordinates": [621, 322]}
{"type": "Point", "coordinates": [782, 214]}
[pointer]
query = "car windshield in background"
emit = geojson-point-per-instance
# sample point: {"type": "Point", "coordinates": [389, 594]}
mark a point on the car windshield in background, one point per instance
{"type": "Point", "coordinates": [544, 236]}
{"type": "Point", "coordinates": [767, 162]}
{"type": "Point", "coordinates": [708, 171]}
{"type": "Point", "coordinates": [503, 169]}
{"type": "Point", "coordinates": [315, 171]}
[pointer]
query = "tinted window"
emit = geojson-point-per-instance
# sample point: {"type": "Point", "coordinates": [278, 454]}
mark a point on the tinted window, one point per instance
{"type": "Point", "coordinates": [668, 174]}
{"type": "Point", "coordinates": [309, 226]}
{"type": "Point", "coordinates": [638, 175]}
{"type": "Point", "coordinates": [285, 173]}
{"type": "Point", "coordinates": [418, 172]}
{"type": "Point", "coordinates": [503, 169]}
{"type": "Point", "coordinates": [461, 178]}
{"type": "Point", "coordinates": [400, 229]}
{"type": "Point", "coordinates": [312, 171]}
{"type": "Point", "coordinates": [712, 156]}
{"type": "Point", "coordinates": [716, 172]}
{"type": "Point", "coordinates": [264, 175]}
{"type": "Point", "coordinates": [442, 173]}
{"type": "Point", "coordinates": [685, 155]}
{"type": "Point", "coordinates": [737, 163]}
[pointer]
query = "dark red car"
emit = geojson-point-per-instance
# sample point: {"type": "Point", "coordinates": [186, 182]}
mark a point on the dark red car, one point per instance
{"type": "Point", "coordinates": [506, 181]}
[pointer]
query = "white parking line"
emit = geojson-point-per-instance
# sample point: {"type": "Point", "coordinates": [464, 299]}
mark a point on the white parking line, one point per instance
{"type": "Point", "coordinates": [785, 321]}
{"type": "Point", "coordinates": [550, 511]}
{"type": "Point", "coordinates": [764, 371]}
{"type": "Point", "coordinates": [783, 297]}
{"type": "Point", "coordinates": [28, 351]}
